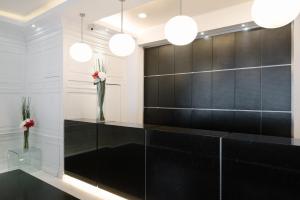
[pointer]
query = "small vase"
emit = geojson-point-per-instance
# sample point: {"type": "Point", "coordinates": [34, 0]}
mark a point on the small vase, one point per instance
{"type": "Point", "coordinates": [26, 137]}
{"type": "Point", "coordinates": [100, 97]}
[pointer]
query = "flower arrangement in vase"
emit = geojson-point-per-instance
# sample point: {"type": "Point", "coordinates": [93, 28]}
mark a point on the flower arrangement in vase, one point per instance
{"type": "Point", "coordinates": [27, 122]}
{"type": "Point", "coordinates": [99, 77]}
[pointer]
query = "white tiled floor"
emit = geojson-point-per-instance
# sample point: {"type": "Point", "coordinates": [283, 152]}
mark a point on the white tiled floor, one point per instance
{"type": "Point", "coordinates": [78, 192]}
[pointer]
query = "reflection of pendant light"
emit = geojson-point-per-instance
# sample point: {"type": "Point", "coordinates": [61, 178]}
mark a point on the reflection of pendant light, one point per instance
{"type": "Point", "coordinates": [181, 30]}
{"type": "Point", "coordinates": [122, 44]}
{"type": "Point", "coordinates": [274, 14]}
{"type": "Point", "coordinates": [80, 51]}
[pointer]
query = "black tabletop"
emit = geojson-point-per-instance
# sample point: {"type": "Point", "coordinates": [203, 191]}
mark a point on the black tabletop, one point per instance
{"type": "Point", "coordinates": [18, 185]}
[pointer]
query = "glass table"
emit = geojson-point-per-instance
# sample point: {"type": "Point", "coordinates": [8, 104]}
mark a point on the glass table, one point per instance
{"type": "Point", "coordinates": [26, 160]}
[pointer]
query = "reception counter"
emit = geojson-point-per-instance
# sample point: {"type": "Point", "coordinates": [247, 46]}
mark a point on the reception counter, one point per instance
{"type": "Point", "coordinates": [139, 161]}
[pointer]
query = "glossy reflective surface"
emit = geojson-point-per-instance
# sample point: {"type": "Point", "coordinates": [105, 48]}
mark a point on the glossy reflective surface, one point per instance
{"type": "Point", "coordinates": [81, 150]}
{"type": "Point", "coordinates": [182, 166]}
{"type": "Point", "coordinates": [18, 185]}
{"type": "Point", "coordinates": [121, 159]}
{"type": "Point", "coordinates": [260, 170]}
{"type": "Point", "coordinates": [159, 163]}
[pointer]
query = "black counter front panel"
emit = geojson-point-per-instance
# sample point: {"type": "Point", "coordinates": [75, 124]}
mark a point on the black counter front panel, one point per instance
{"type": "Point", "coordinates": [158, 162]}
{"type": "Point", "coordinates": [182, 166]}
{"type": "Point", "coordinates": [260, 170]}
{"type": "Point", "coordinates": [121, 160]}
{"type": "Point", "coordinates": [81, 150]}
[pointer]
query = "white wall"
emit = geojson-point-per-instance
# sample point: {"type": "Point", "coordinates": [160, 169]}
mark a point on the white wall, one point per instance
{"type": "Point", "coordinates": [44, 64]}
{"type": "Point", "coordinates": [296, 78]}
{"type": "Point", "coordinates": [12, 54]}
{"type": "Point", "coordinates": [80, 100]}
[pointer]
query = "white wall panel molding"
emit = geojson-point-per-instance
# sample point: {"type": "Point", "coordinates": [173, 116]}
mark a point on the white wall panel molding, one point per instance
{"type": "Point", "coordinates": [53, 85]}
{"type": "Point", "coordinates": [4, 131]}
{"type": "Point", "coordinates": [11, 87]}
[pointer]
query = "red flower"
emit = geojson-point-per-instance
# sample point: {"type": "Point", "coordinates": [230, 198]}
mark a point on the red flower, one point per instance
{"type": "Point", "coordinates": [95, 75]}
{"type": "Point", "coordinates": [29, 123]}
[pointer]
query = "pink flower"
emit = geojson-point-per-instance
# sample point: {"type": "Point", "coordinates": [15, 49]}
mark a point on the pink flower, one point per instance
{"type": "Point", "coordinates": [28, 123]}
{"type": "Point", "coordinates": [95, 75]}
{"type": "Point", "coordinates": [99, 76]}
{"type": "Point", "coordinates": [102, 76]}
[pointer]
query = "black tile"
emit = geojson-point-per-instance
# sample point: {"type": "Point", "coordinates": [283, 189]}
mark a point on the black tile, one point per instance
{"type": "Point", "coordinates": [183, 90]}
{"type": "Point", "coordinates": [159, 116]}
{"type": "Point", "coordinates": [202, 119]}
{"type": "Point", "coordinates": [247, 49]}
{"type": "Point", "coordinates": [151, 92]}
{"type": "Point", "coordinates": [20, 185]}
{"type": "Point", "coordinates": [276, 46]}
{"type": "Point", "coordinates": [166, 59]}
{"type": "Point", "coordinates": [202, 54]}
{"type": "Point", "coordinates": [248, 90]}
{"type": "Point", "coordinates": [247, 122]}
{"type": "Point", "coordinates": [222, 120]}
{"type": "Point", "coordinates": [166, 97]}
{"type": "Point", "coordinates": [201, 92]}
{"type": "Point", "coordinates": [276, 88]}
{"type": "Point", "coordinates": [223, 90]}
{"type": "Point", "coordinates": [182, 118]}
{"type": "Point", "coordinates": [150, 116]}
{"type": "Point", "coordinates": [277, 124]}
{"type": "Point", "coordinates": [183, 58]}
{"type": "Point", "coordinates": [224, 51]}
{"type": "Point", "coordinates": [151, 61]}
{"type": "Point", "coordinates": [165, 117]}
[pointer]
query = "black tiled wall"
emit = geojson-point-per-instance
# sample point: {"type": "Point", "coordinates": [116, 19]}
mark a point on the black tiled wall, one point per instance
{"type": "Point", "coordinates": [236, 82]}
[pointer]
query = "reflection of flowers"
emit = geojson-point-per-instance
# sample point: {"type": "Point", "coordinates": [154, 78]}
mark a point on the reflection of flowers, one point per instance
{"type": "Point", "coordinates": [28, 123]}
{"type": "Point", "coordinates": [99, 77]}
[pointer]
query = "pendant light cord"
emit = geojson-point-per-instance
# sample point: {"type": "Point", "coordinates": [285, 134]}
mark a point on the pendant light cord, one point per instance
{"type": "Point", "coordinates": [122, 14]}
{"type": "Point", "coordinates": [180, 7]}
{"type": "Point", "coordinates": [82, 15]}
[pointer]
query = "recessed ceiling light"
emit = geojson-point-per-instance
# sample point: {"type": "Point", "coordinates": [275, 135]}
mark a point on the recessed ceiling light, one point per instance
{"type": "Point", "coordinates": [142, 15]}
{"type": "Point", "coordinates": [245, 29]}
{"type": "Point", "coordinates": [206, 37]}
{"type": "Point", "coordinates": [243, 25]}
{"type": "Point", "coordinates": [33, 25]}
{"type": "Point", "coordinates": [202, 33]}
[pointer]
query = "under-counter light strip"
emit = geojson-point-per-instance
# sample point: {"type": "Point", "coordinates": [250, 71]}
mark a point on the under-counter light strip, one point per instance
{"type": "Point", "coordinates": [95, 191]}
{"type": "Point", "coordinates": [219, 70]}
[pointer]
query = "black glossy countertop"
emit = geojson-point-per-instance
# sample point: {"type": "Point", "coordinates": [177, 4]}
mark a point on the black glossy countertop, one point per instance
{"type": "Point", "coordinates": [18, 185]}
{"type": "Point", "coordinates": [225, 135]}
{"type": "Point", "coordinates": [122, 124]}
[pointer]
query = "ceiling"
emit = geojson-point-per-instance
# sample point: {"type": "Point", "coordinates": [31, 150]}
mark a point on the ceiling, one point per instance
{"type": "Point", "coordinates": [159, 11]}
{"type": "Point", "coordinates": [24, 10]}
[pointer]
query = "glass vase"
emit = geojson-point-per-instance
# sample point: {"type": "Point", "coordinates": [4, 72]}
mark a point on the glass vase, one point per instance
{"type": "Point", "coordinates": [100, 102]}
{"type": "Point", "coordinates": [26, 138]}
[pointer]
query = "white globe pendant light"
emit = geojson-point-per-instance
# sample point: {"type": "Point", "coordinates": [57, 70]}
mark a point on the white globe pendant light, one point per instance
{"type": "Point", "coordinates": [122, 44]}
{"type": "Point", "coordinates": [275, 13]}
{"type": "Point", "coordinates": [80, 51]}
{"type": "Point", "coordinates": [181, 30]}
